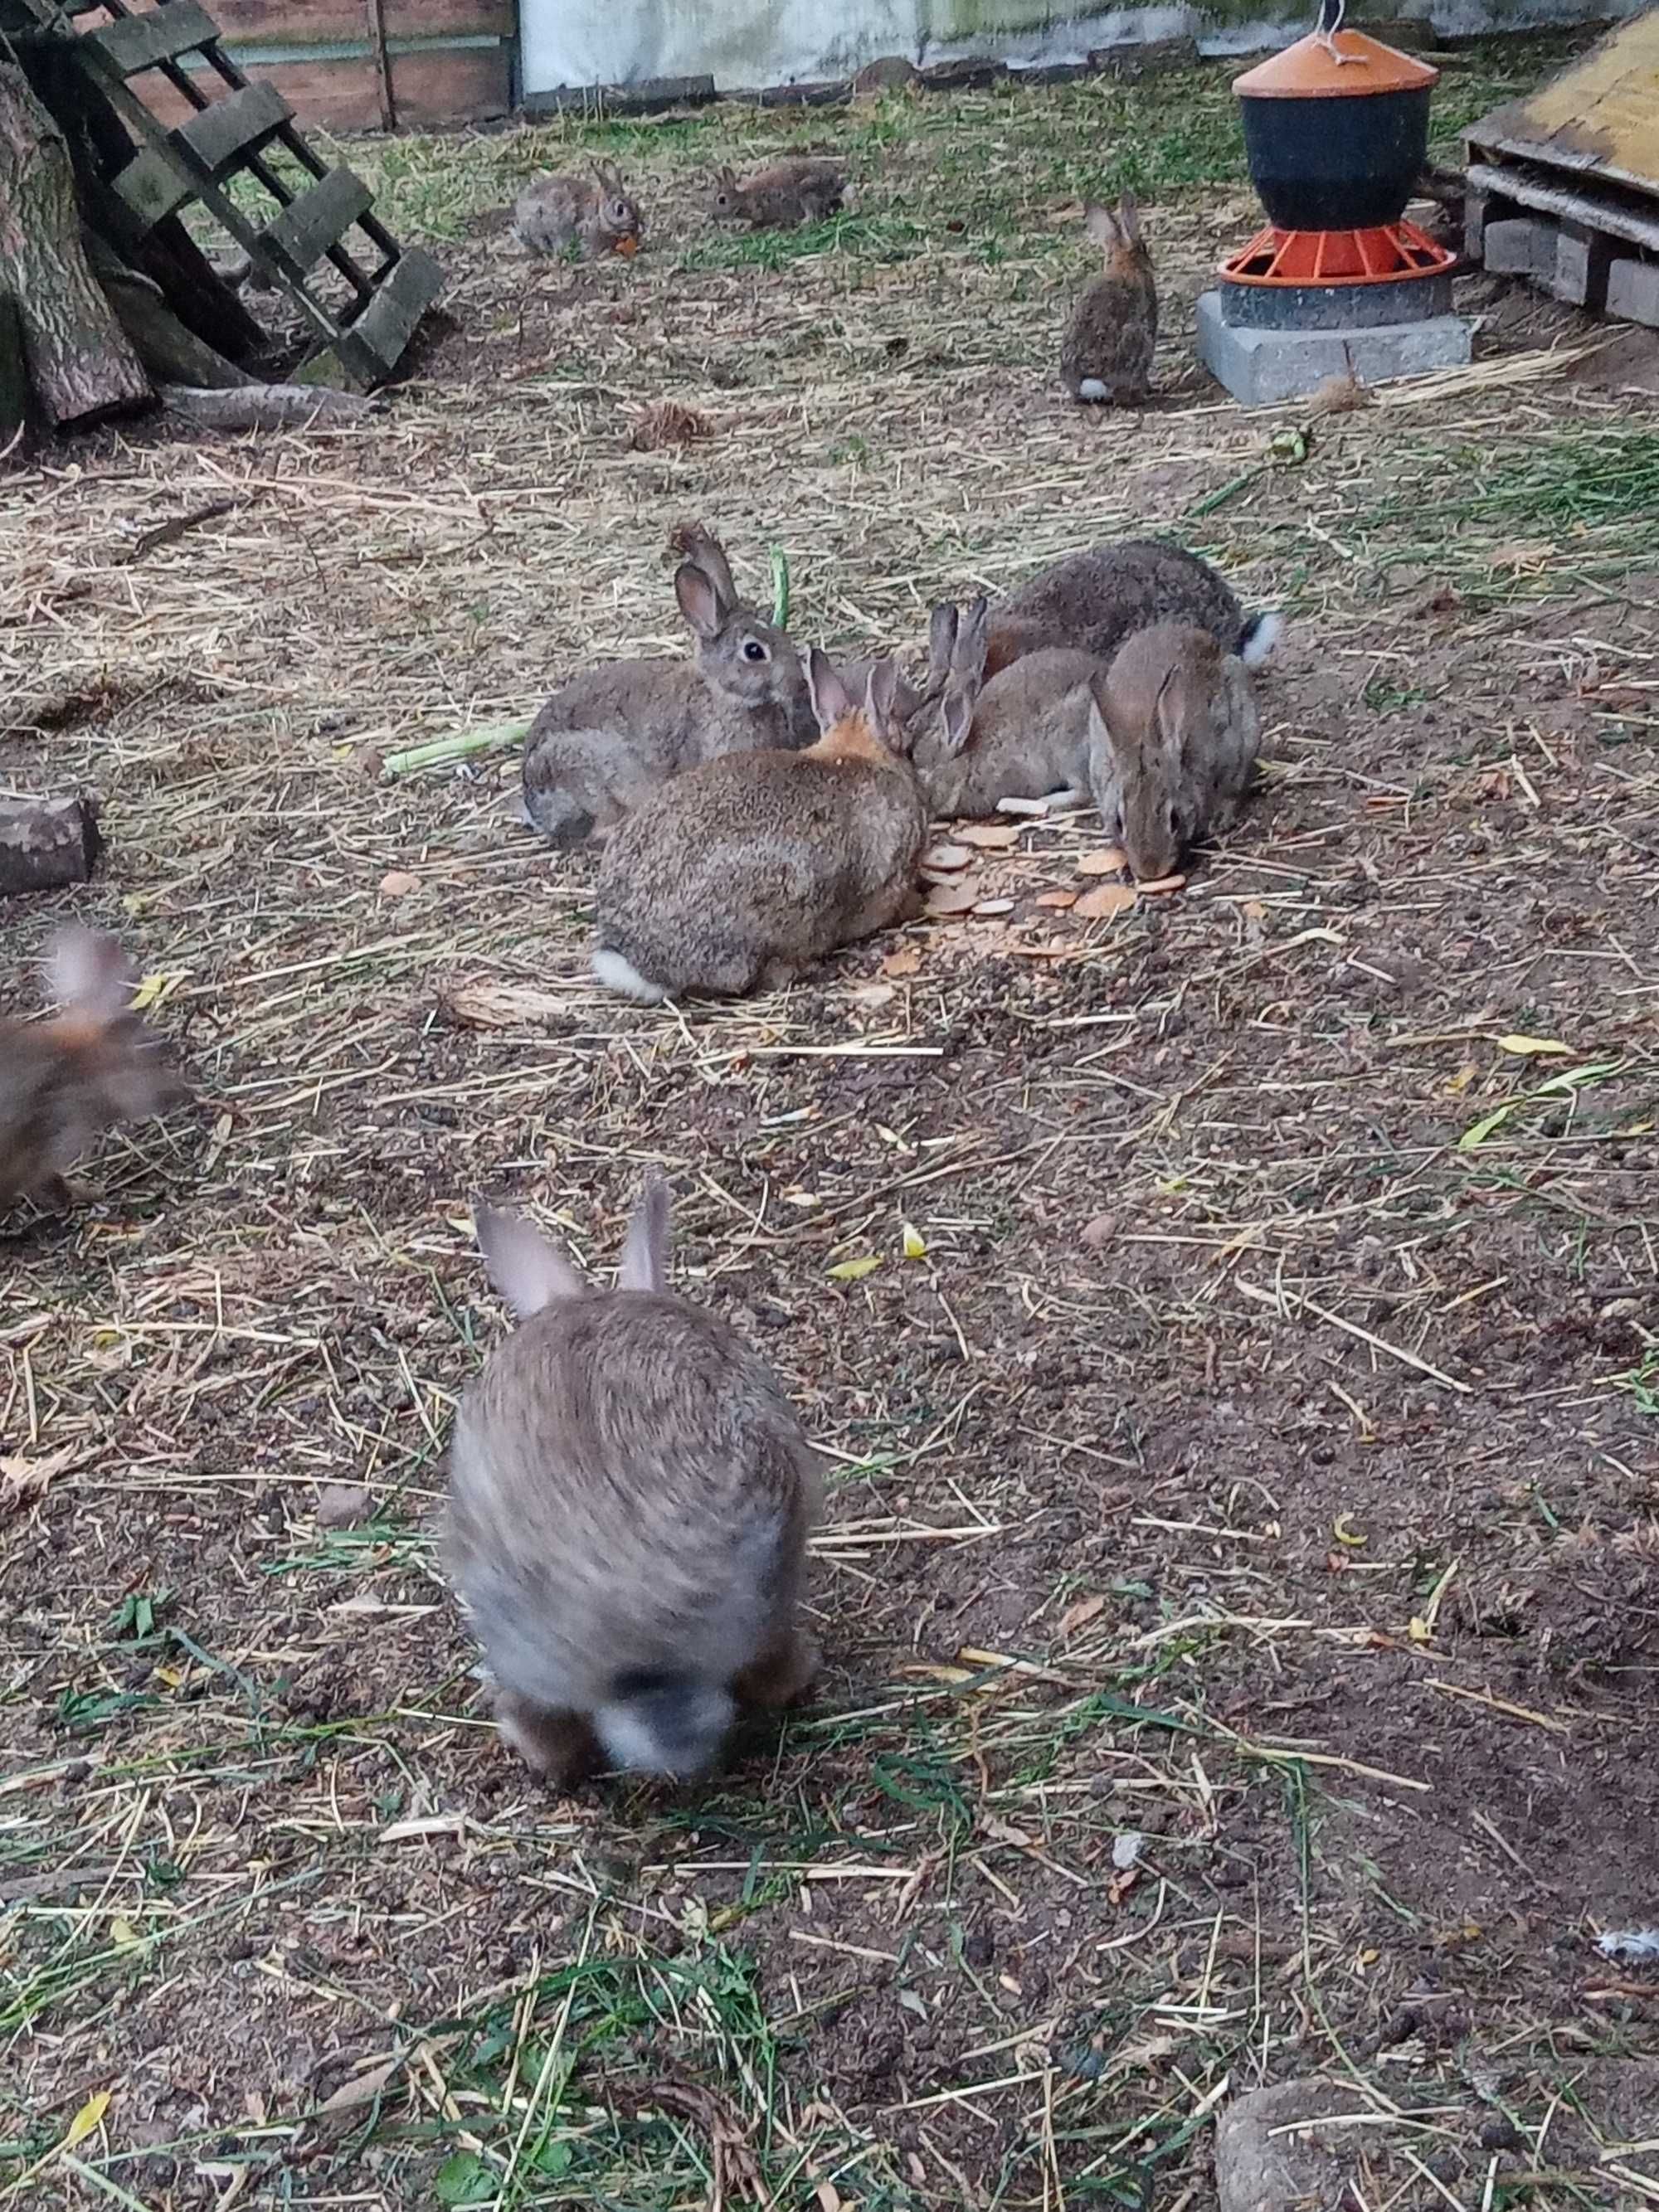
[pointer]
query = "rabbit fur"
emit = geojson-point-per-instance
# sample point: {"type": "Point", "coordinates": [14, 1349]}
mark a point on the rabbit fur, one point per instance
{"type": "Point", "coordinates": [1106, 354]}
{"type": "Point", "coordinates": [1092, 600]}
{"type": "Point", "coordinates": [747, 870]}
{"type": "Point", "coordinates": [596, 213]}
{"type": "Point", "coordinates": [614, 733]}
{"type": "Point", "coordinates": [780, 197]}
{"type": "Point", "coordinates": [65, 1080]}
{"type": "Point", "coordinates": [1023, 735]}
{"type": "Point", "coordinates": [1173, 738]}
{"type": "Point", "coordinates": [629, 1497]}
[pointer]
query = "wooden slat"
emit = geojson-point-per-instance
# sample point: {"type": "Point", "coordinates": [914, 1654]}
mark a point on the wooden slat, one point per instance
{"type": "Point", "coordinates": [304, 231]}
{"type": "Point", "coordinates": [436, 86]}
{"type": "Point", "coordinates": [138, 42]}
{"type": "Point", "coordinates": [298, 23]}
{"type": "Point", "coordinates": [386, 323]}
{"type": "Point", "coordinates": [157, 181]}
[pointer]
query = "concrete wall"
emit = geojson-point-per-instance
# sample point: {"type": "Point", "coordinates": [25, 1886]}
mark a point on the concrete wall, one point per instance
{"type": "Point", "coordinates": [745, 43]}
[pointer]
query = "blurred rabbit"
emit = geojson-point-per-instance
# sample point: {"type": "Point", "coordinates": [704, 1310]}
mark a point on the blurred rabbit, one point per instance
{"type": "Point", "coordinates": [63, 1081]}
{"type": "Point", "coordinates": [743, 873]}
{"type": "Point", "coordinates": [780, 197]}
{"type": "Point", "coordinates": [629, 1496]}
{"type": "Point", "coordinates": [596, 213]}
{"type": "Point", "coordinates": [1173, 734]}
{"type": "Point", "coordinates": [1092, 600]}
{"type": "Point", "coordinates": [616, 733]}
{"type": "Point", "coordinates": [1106, 351]}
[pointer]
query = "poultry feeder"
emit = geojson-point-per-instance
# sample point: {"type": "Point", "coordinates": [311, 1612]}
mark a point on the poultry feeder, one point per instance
{"type": "Point", "coordinates": [1336, 134]}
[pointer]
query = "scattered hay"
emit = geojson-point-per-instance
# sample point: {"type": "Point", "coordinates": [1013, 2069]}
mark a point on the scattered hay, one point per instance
{"type": "Point", "coordinates": [668, 424]}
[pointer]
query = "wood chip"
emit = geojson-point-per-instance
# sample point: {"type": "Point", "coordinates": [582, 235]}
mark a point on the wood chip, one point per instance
{"type": "Point", "coordinates": [951, 898]}
{"type": "Point", "coordinates": [988, 836]}
{"type": "Point", "coordinates": [1058, 900]}
{"type": "Point", "coordinates": [1110, 899]}
{"type": "Point", "coordinates": [398, 884]}
{"type": "Point", "coordinates": [1161, 886]}
{"type": "Point", "coordinates": [500, 1005]}
{"type": "Point", "coordinates": [946, 860]}
{"type": "Point", "coordinates": [1109, 860]}
{"type": "Point", "coordinates": [989, 910]}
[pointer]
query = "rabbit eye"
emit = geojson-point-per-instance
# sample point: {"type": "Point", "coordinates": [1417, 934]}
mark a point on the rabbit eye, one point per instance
{"type": "Point", "coordinates": [753, 650]}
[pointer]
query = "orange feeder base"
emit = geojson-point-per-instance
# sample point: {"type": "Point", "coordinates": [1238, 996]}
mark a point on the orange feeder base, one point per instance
{"type": "Point", "coordinates": [1394, 252]}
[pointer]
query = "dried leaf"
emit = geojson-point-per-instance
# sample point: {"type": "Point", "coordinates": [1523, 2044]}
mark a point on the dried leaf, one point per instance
{"type": "Point", "coordinates": [946, 860]}
{"type": "Point", "coordinates": [1107, 861]}
{"type": "Point", "coordinates": [906, 961]}
{"type": "Point", "coordinates": [828, 2197]}
{"type": "Point", "coordinates": [1058, 901]}
{"type": "Point", "coordinates": [1096, 1232]}
{"type": "Point", "coordinates": [86, 2119]}
{"type": "Point", "coordinates": [914, 1245]}
{"type": "Point", "coordinates": [344, 1506]}
{"type": "Point", "coordinates": [989, 910]}
{"type": "Point", "coordinates": [1001, 1832]}
{"type": "Point", "coordinates": [854, 1271]}
{"type": "Point", "coordinates": [398, 883]}
{"type": "Point", "coordinates": [1080, 1615]}
{"type": "Point", "coordinates": [21, 1478]}
{"type": "Point", "coordinates": [988, 836]}
{"type": "Point", "coordinates": [1520, 553]}
{"type": "Point", "coordinates": [361, 2091]}
{"type": "Point", "coordinates": [152, 989]}
{"type": "Point", "coordinates": [946, 899]}
{"type": "Point", "coordinates": [124, 1935]}
{"type": "Point", "coordinates": [1531, 1048]}
{"type": "Point", "coordinates": [1110, 899]}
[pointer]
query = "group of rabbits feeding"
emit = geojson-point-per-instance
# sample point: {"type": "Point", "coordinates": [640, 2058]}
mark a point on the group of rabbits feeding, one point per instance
{"type": "Point", "coordinates": [1106, 354]}
{"type": "Point", "coordinates": [757, 811]}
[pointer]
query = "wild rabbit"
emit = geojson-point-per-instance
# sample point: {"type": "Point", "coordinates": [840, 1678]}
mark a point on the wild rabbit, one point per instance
{"type": "Point", "coordinates": [613, 735]}
{"type": "Point", "coordinates": [629, 1496]}
{"type": "Point", "coordinates": [1092, 600]}
{"type": "Point", "coordinates": [1172, 744]}
{"type": "Point", "coordinates": [596, 213]}
{"type": "Point", "coordinates": [65, 1080]}
{"type": "Point", "coordinates": [911, 701]}
{"type": "Point", "coordinates": [1106, 351]}
{"type": "Point", "coordinates": [746, 872]}
{"type": "Point", "coordinates": [1023, 735]}
{"type": "Point", "coordinates": [780, 197]}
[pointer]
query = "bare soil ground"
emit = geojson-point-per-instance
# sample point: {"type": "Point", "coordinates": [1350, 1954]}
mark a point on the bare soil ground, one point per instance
{"type": "Point", "coordinates": [1240, 1587]}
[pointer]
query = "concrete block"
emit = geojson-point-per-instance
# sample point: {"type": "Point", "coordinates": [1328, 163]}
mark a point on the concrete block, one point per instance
{"type": "Point", "coordinates": [1584, 258]}
{"type": "Point", "coordinates": [1633, 292]}
{"type": "Point", "coordinates": [1261, 367]}
{"type": "Point", "coordinates": [1519, 246]}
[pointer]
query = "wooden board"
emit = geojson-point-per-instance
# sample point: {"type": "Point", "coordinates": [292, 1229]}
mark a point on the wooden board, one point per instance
{"type": "Point", "coordinates": [439, 85]}
{"type": "Point", "coordinates": [300, 23]}
{"type": "Point", "coordinates": [1598, 117]}
{"type": "Point", "coordinates": [138, 42]}
{"type": "Point", "coordinates": [321, 215]}
{"type": "Point", "coordinates": [156, 181]}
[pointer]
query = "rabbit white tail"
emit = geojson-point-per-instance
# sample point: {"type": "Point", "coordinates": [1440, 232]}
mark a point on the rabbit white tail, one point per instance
{"type": "Point", "coordinates": [1261, 634]}
{"type": "Point", "coordinates": [664, 1723]}
{"type": "Point", "coordinates": [1091, 387]}
{"type": "Point", "coordinates": [617, 973]}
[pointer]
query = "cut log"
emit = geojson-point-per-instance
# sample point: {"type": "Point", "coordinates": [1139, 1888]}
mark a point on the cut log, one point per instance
{"type": "Point", "coordinates": [46, 843]}
{"type": "Point", "coordinates": [170, 353]}
{"type": "Point", "coordinates": [268, 407]}
{"type": "Point", "coordinates": [16, 409]}
{"type": "Point", "coordinates": [79, 361]}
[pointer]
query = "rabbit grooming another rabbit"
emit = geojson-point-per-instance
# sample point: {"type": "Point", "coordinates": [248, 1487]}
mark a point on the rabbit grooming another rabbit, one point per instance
{"type": "Point", "coordinates": [630, 1493]}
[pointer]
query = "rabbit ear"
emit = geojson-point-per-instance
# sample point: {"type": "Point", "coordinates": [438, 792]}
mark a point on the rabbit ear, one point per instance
{"type": "Point", "coordinates": [1128, 218]}
{"type": "Point", "coordinates": [973, 643]}
{"type": "Point", "coordinates": [644, 1255]}
{"type": "Point", "coordinates": [701, 601]}
{"type": "Point", "coordinates": [831, 700]}
{"type": "Point", "coordinates": [956, 716]}
{"type": "Point", "coordinates": [609, 176]}
{"type": "Point", "coordinates": [709, 555]}
{"type": "Point", "coordinates": [941, 638]}
{"type": "Point", "coordinates": [1168, 719]}
{"type": "Point", "coordinates": [1102, 225]}
{"type": "Point", "coordinates": [528, 1272]}
{"type": "Point", "coordinates": [88, 974]}
{"type": "Point", "coordinates": [878, 697]}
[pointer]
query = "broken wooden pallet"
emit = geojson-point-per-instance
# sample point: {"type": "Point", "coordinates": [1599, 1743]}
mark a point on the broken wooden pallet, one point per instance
{"type": "Point", "coordinates": [233, 129]}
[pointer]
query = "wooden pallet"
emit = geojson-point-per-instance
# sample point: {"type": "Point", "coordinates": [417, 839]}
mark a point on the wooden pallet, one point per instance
{"type": "Point", "coordinates": [233, 127]}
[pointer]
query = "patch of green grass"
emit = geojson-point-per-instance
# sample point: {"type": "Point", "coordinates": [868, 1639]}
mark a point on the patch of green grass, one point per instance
{"type": "Point", "coordinates": [880, 238]}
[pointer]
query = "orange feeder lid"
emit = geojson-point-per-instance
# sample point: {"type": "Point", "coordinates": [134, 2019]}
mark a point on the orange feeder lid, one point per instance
{"type": "Point", "coordinates": [1308, 69]}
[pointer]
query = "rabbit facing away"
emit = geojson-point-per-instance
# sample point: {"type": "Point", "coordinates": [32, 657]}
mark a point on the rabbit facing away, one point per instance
{"type": "Point", "coordinates": [1094, 600]}
{"type": "Point", "coordinates": [744, 873]}
{"type": "Point", "coordinates": [780, 197]}
{"type": "Point", "coordinates": [595, 213]}
{"type": "Point", "coordinates": [1023, 735]}
{"type": "Point", "coordinates": [65, 1080]}
{"type": "Point", "coordinates": [614, 733]}
{"type": "Point", "coordinates": [1106, 354]}
{"type": "Point", "coordinates": [629, 1496]}
{"type": "Point", "coordinates": [1173, 739]}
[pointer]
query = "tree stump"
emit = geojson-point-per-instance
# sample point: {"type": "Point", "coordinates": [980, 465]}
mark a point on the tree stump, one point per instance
{"type": "Point", "coordinates": [78, 358]}
{"type": "Point", "coordinates": [16, 408]}
{"type": "Point", "coordinates": [46, 843]}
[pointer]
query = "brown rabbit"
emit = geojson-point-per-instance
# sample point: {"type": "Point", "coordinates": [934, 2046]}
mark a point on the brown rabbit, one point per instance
{"type": "Point", "coordinates": [64, 1081]}
{"type": "Point", "coordinates": [596, 213]}
{"type": "Point", "coordinates": [614, 733]}
{"type": "Point", "coordinates": [780, 197]}
{"type": "Point", "coordinates": [1173, 741]}
{"type": "Point", "coordinates": [629, 1496]}
{"type": "Point", "coordinates": [1106, 351]}
{"type": "Point", "coordinates": [1023, 735]}
{"type": "Point", "coordinates": [744, 873]}
{"type": "Point", "coordinates": [1092, 600]}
